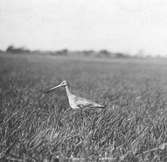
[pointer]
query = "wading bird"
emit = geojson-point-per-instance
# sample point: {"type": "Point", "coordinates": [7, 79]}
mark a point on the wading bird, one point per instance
{"type": "Point", "coordinates": [75, 101]}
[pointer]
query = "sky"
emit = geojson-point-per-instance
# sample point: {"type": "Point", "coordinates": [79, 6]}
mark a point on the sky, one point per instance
{"type": "Point", "coordinates": [117, 25]}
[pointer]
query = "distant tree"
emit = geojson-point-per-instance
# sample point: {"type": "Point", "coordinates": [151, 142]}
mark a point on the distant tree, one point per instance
{"type": "Point", "coordinates": [10, 48]}
{"type": "Point", "coordinates": [121, 55]}
{"type": "Point", "coordinates": [14, 50]}
{"type": "Point", "coordinates": [62, 52]}
{"type": "Point", "coordinates": [104, 53]}
{"type": "Point", "coordinates": [88, 52]}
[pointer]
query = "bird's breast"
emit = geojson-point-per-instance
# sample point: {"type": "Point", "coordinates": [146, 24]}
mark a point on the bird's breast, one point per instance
{"type": "Point", "coordinates": [72, 102]}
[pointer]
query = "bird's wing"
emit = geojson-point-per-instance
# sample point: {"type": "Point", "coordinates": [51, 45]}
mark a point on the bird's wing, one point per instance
{"type": "Point", "coordinates": [83, 102]}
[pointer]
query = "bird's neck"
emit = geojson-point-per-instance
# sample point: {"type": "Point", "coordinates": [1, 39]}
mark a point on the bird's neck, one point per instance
{"type": "Point", "coordinates": [68, 91]}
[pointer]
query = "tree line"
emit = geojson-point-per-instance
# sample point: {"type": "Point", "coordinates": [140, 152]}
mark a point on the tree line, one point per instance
{"type": "Point", "coordinates": [11, 49]}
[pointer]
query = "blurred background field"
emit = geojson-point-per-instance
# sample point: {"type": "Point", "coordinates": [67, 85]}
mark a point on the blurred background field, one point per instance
{"type": "Point", "coordinates": [34, 126]}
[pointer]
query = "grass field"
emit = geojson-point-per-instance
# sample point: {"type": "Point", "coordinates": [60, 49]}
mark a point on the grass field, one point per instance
{"type": "Point", "coordinates": [34, 126]}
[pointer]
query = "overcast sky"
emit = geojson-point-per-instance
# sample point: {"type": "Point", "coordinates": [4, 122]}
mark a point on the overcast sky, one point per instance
{"type": "Point", "coordinates": [116, 25]}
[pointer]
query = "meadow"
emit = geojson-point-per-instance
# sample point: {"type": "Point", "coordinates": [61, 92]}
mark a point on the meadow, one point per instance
{"type": "Point", "coordinates": [39, 127]}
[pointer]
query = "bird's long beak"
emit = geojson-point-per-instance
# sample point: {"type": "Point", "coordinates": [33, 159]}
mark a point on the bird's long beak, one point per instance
{"type": "Point", "coordinates": [52, 89]}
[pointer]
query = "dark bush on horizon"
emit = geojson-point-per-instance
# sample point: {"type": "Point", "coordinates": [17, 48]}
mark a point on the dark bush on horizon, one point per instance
{"type": "Point", "coordinates": [122, 55]}
{"type": "Point", "coordinates": [104, 53]}
{"type": "Point", "coordinates": [88, 52]}
{"type": "Point", "coordinates": [63, 52]}
{"type": "Point", "coordinates": [15, 50]}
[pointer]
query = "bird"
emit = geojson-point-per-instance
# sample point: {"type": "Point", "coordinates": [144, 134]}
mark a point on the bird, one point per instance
{"type": "Point", "coordinates": [75, 102]}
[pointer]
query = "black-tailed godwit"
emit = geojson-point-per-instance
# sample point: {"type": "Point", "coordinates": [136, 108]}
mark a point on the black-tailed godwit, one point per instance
{"type": "Point", "coordinates": [75, 102]}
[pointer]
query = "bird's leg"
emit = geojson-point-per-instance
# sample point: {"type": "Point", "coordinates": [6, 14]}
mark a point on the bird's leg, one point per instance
{"type": "Point", "coordinates": [67, 112]}
{"type": "Point", "coordinates": [81, 114]}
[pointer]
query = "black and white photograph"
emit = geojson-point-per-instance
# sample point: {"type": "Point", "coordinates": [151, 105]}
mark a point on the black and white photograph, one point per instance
{"type": "Point", "coordinates": [83, 81]}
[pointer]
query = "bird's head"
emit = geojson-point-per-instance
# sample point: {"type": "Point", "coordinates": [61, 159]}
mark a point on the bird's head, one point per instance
{"type": "Point", "coordinates": [62, 84]}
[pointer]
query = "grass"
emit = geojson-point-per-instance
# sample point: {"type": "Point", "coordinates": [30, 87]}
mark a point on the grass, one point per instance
{"type": "Point", "coordinates": [34, 126]}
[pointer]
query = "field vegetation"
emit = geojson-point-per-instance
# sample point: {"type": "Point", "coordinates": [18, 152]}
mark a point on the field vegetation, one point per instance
{"type": "Point", "coordinates": [35, 126]}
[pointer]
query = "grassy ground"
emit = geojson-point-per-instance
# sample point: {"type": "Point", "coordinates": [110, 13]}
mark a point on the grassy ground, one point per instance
{"type": "Point", "coordinates": [34, 126]}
